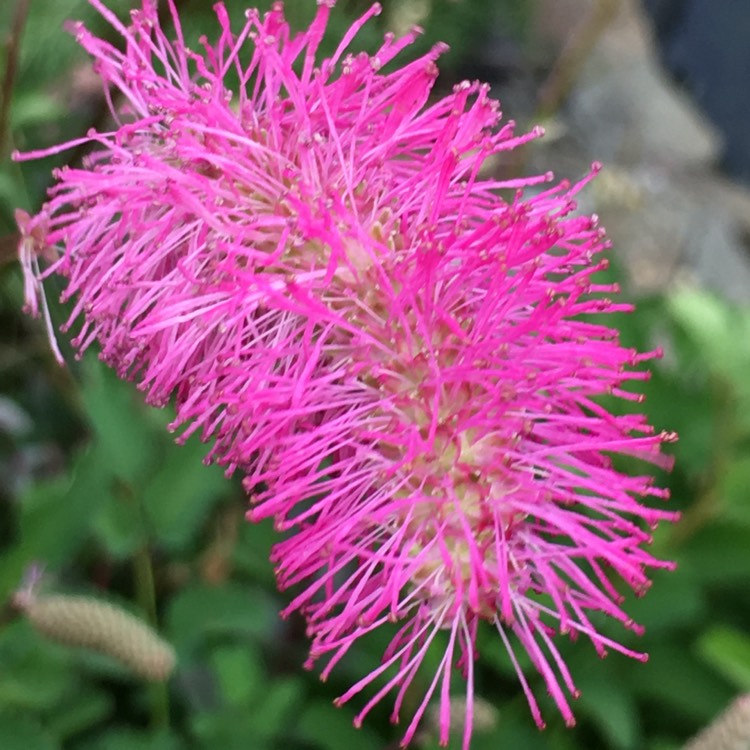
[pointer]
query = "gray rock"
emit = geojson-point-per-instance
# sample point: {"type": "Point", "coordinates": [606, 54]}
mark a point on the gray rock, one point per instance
{"type": "Point", "coordinates": [670, 216]}
{"type": "Point", "coordinates": [628, 107]}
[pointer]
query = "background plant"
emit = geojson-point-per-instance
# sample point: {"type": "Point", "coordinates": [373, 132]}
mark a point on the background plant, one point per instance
{"type": "Point", "coordinates": [92, 485]}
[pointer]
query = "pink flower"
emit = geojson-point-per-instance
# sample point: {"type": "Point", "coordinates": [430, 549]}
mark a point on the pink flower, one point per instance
{"type": "Point", "coordinates": [308, 259]}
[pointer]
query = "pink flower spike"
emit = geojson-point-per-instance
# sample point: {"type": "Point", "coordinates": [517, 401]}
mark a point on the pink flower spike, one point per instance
{"type": "Point", "coordinates": [406, 367]}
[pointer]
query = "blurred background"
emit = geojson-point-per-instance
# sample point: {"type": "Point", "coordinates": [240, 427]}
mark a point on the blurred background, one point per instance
{"type": "Point", "coordinates": [92, 486]}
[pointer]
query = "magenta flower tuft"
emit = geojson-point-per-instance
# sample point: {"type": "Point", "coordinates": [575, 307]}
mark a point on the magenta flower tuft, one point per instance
{"type": "Point", "coordinates": [309, 261]}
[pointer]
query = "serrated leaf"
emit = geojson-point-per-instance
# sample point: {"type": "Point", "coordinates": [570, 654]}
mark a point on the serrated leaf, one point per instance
{"type": "Point", "coordinates": [728, 651]}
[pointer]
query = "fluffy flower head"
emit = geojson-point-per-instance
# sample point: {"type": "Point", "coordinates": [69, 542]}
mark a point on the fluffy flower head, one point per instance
{"type": "Point", "coordinates": [398, 352]}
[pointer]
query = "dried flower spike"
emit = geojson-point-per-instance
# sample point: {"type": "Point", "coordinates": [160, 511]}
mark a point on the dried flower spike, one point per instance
{"type": "Point", "coordinates": [403, 357]}
{"type": "Point", "coordinates": [85, 622]}
{"type": "Point", "coordinates": [730, 731]}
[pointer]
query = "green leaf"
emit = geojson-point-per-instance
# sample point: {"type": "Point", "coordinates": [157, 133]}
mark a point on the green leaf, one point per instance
{"type": "Point", "coordinates": [179, 497]}
{"type": "Point", "coordinates": [252, 552]}
{"type": "Point", "coordinates": [516, 731]}
{"type": "Point", "coordinates": [11, 189]}
{"type": "Point", "coordinates": [728, 651]}
{"type": "Point", "coordinates": [689, 409]}
{"type": "Point", "coordinates": [56, 517]}
{"type": "Point", "coordinates": [119, 526]}
{"type": "Point", "coordinates": [227, 730]}
{"type": "Point", "coordinates": [675, 678]}
{"type": "Point", "coordinates": [707, 322]}
{"type": "Point", "coordinates": [331, 728]}
{"type": "Point", "coordinates": [718, 554]}
{"type": "Point", "coordinates": [124, 435]}
{"type": "Point", "coordinates": [674, 601]}
{"type": "Point", "coordinates": [124, 738]}
{"type": "Point", "coordinates": [34, 108]}
{"type": "Point", "coordinates": [281, 699]}
{"type": "Point", "coordinates": [719, 332]}
{"type": "Point", "coordinates": [663, 743]}
{"type": "Point", "coordinates": [735, 491]}
{"type": "Point", "coordinates": [611, 706]}
{"type": "Point", "coordinates": [79, 710]}
{"type": "Point", "coordinates": [239, 672]}
{"type": "Point", "coordinates": [35, 675]}
{"type": "Point", "coordinates": [19, 732]}
{"type": "Point", "coordinates": [199, 611]}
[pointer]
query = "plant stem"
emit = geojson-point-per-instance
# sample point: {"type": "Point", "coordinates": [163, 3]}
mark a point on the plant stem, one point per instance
{"type": "Point", "coordinates": [145, 592]}
{"type": "Point", "coordinates": [564, 73]}
{"type": "Point", "coordinates": [11, 66]}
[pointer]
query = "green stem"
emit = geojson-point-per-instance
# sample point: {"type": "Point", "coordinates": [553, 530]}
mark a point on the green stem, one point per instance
{"type": "Point", "coordinates": [145, 592]}
{"type": "Point", "coordinates": [11, 66]}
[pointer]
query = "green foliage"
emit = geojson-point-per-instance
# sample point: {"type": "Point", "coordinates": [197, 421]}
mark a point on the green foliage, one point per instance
{"type": "Point", "coordinates": [23, 733]}
{"type": "Point", "coordinates": [97, 490]}
{"type": "Point", "coordinates": [727, 650]}
{"type": "Point", "coordinates": [201, 612]}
